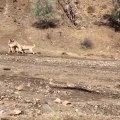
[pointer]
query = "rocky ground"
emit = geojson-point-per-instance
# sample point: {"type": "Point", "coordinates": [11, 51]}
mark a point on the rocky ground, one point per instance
{"type": "Point", "coordinates": [76, 82]}
{"type": "Point", "coordinates": [36, 87]}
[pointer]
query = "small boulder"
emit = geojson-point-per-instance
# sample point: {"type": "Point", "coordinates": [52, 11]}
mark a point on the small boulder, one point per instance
{"type": "Point", "coordinates": [58, 100]}
{"type": "Point", "coordinates": [65, 103]}
{"type": "Point", "coordinates": [20, 87]}
{"type": "Point", "coordinates": [15, 112]}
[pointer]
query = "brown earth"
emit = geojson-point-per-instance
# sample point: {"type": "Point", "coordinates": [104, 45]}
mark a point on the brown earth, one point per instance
{"type": "Point", "coordinates": [31, 84]}
{"type": "Point", "coordinates": [88, 79]}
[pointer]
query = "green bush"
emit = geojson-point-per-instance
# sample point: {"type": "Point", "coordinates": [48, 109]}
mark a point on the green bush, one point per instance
{"type": "Point", "coordinates": [115, 16]}
{"type": "Point", "coordinates": [46, 14]}
{"type": "Point", "coordinates": [116, 13]}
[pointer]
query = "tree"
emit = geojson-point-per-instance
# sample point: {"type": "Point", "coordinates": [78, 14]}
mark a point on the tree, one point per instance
{"type": "Point", "coordinates": [46, 13]}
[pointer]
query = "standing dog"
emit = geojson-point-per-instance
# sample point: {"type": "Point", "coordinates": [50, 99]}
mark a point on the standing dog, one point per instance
{"type": "Point", "coordinates": [14, 46]}
{"type": "Point", "coordinates": [26, 47]}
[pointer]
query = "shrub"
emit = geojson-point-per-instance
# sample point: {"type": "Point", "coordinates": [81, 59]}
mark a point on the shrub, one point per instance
{"type": "Point", "coordinates": [48, 36]}
{"type": "Point", "coordinates": [90, 9]}
{"type": "Point", "coordinates": [115, 16]}
{"type": "Point", "coordinates": [87, 43]}
{"type": "Point", "coordinates": [46, 14]}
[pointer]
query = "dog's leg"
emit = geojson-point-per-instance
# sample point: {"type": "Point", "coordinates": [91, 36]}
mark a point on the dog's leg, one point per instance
{"type": "Point", "coordinates": [19, 49]}
{"type": "Point", "coordinates": [15, 49]}
{"type": "Point", "coordinates": [31, 51]}
{"type": "Point", "coordinates": [12, 49]}
{"type": "Point", "coordinates": [23, 51]}
{"type": "Point", "coordinates": [9, 51]}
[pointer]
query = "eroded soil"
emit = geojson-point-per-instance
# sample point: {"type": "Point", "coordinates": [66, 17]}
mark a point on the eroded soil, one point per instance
{"type": "Point", "coordinates": [30, 84]}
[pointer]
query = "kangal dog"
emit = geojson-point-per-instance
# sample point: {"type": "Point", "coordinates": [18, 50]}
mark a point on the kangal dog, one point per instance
{"type": "Point", "coordinates": [14, 46]}
{"type": "Point", "coordinates": [28, 47]}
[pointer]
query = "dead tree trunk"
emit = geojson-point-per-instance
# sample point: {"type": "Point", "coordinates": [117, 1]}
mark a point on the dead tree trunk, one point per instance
{"type": "Point", "coordinates": [71, 10]}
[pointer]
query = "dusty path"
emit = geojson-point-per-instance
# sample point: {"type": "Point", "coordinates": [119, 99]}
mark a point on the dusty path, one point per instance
{"type": "Point", "coordinates": [31, 84]}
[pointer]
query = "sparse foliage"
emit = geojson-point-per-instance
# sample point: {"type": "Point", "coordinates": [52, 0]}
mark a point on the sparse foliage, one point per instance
{"type": "Point", "coordinates": [115, 16]}
{"type": "Point", "coordinates": [116, 12]}
{"type": "Point", "coordinates": [46, 13]}
{"type": "Point", "coordinates": [90, 9]}
{"type": "Point", "coordinates": [87, 43]}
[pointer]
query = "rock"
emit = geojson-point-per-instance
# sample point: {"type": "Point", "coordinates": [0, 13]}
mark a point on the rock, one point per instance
{"type": "Point", "coordinates": [83, 28]}
{"type": "Point", "coordinates": [17, 92]}
{"type": "Point", "coordinates": [2, 97]}
{"type": "Point", "coordinates": [20, 87]}
{"type": "Point", "coordinates": [58, 100]}
{"type": "Point", "coordinates": [29, 84]}
{"type": "Point", "coordinates": [1, 112]}
{"type": "Point", "coordinates": [1, 102]}
{"type": "Point", "coordinates": [76, 110]}
{"type": "Point", "coordinates": [27, 101]}
{"type": "Point", "coordinates": [5, 118]}
{"type": "Point", "coordinates": [6, 68]}
{"type": "Point", "coordinates": [15, 112]}
{"type": "Point", "coordinates": [65, 103]}
{"type": "Point", "coordinates": [58, 91]}
{"type": "Point", "coordinates": [48, 89]}
{"type": "Point", "coordinates": [3, 115]}
{"type": "Point", "coordinates": [71, 85]}
{"type": "Point", "coordinates": [46, 108]}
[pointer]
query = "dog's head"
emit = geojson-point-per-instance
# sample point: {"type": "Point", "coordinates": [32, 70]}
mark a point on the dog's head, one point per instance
{"type": "Point", "coordinates": [11, 41]}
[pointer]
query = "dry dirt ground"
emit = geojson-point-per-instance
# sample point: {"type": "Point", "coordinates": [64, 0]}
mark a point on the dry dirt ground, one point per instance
{"type": "Point", "coordinates": [71, 83]}
{"type": "Point", "coordinates": [43, 88]}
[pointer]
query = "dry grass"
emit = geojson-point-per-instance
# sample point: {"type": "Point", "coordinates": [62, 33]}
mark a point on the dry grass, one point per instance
{"type": "Point", "coordinates": [87, 43]}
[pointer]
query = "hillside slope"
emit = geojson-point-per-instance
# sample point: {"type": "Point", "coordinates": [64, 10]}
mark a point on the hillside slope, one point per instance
{"type": "Point", "coordinates": [17, 20]}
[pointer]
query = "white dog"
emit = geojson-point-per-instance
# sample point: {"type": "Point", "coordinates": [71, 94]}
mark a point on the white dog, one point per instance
{"type": "Point", "coordinates": [26, 47]}
{"type": "Point", "coordinates": [14, 46]}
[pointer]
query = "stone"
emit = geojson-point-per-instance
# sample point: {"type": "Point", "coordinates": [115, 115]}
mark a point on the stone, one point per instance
{"type": "Point", "coordinates": [76, 110]}
{"type": "Point", "coordinates": [46, 108]}
{"type": "Point", "coordinates": [19, 88]}
{"type": "Point", "coordinates": [1, 102]}
{"type": "Point", "coordinates": [58, 100]}
{"type": "Point", "coordinates": [28, 101]}
{"type": "Point", "coordinates": [15, 112]}
{"type": "Point", "coordinates": [65, 103]}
